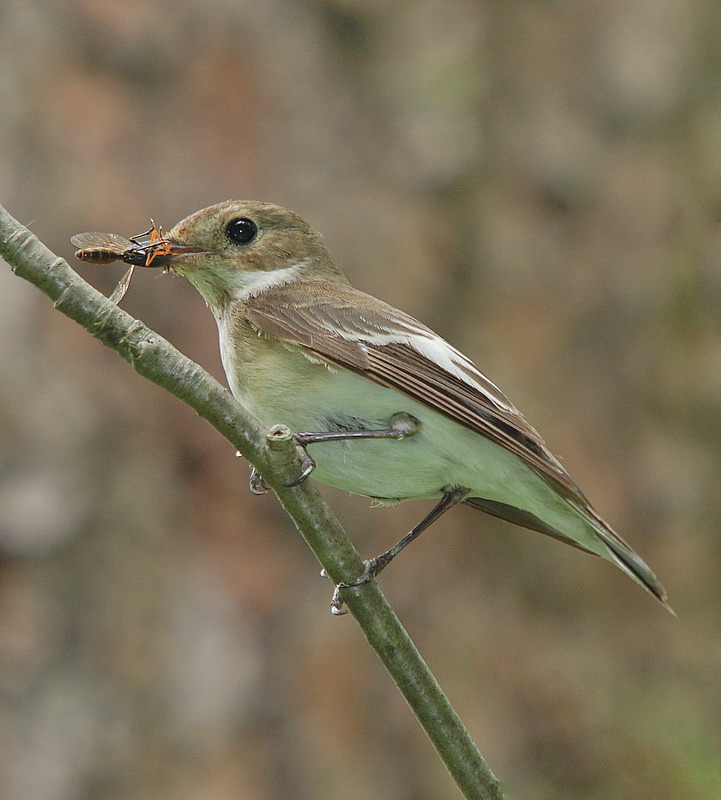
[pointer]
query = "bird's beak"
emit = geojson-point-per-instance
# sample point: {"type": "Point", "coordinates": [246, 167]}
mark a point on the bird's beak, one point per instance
{"type": "Point", "coordinates": [170, 252]}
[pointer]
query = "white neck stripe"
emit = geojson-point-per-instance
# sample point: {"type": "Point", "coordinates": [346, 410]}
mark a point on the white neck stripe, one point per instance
{"type": "Point", "coordinates": [253, 283]}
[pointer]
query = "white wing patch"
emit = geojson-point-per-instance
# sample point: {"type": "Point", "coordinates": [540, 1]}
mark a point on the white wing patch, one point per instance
{"type": "Point", "coordinates": [435, 349]}
{"type": "Point", "coordinates": [454, 362]}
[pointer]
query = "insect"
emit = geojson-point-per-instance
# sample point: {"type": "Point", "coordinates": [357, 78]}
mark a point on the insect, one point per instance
{"type": "Point", "coordinates": [138, 251]}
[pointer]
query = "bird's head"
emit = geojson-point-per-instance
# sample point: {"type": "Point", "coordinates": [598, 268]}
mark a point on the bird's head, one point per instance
{"type": "Point", "coordinates": [234, 250]}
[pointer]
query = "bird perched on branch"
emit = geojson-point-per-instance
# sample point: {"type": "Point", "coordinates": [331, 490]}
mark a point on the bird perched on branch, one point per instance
{"type": "Point", "coordinates": [387, 408]}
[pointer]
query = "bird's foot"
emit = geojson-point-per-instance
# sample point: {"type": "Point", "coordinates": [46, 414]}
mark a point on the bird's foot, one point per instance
{"type": "Point", "coordinates": [257, 482]}
{"type": "Point", "coordinates": [372, 568]}
{"type": "Point", "coordinates": [336, 602]}
{"type": "Point", "coordinates": [306, 462]}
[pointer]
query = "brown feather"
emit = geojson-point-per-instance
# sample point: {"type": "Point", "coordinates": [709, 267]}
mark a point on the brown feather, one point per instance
{"type": "Point", "coordinates": [338, 325]}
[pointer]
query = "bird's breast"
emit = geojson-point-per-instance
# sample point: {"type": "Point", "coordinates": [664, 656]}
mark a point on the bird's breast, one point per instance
{"type": "Point", "coordinates": [278, 383]}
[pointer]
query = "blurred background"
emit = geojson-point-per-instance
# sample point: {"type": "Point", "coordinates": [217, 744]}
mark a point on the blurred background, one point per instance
{"type": "Point", "coordinates": [538, 181]}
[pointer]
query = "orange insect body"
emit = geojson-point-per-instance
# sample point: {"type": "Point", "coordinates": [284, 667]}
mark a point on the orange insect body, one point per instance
{"type": "Point", "coordinates": [159, 245]}
{"type": "Point", "coordinates": [105, 248]}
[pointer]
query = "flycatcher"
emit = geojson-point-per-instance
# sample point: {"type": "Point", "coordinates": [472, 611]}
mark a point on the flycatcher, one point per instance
{"type": "Point", "coordinates": [387, 407]}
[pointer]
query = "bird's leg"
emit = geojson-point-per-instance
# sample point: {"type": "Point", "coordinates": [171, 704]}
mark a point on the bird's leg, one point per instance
{"type": "Point", "coordinates": [402, 426]}
{"type": "Point", "coordinates": [374, 566]}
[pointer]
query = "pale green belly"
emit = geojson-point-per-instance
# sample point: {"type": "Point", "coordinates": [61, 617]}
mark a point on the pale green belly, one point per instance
{"type": "Point", "coordinates": [282, 386]}
{"type": "Point", "coordinates": [443, 454]}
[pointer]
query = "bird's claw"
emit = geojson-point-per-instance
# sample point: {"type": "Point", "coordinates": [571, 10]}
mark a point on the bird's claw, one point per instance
{"type": "Point", "coordinates": [371, 568]}
{"type": "Point", "coordinates": [337, 604]}
{"type": "Point", "coordinates": [257, 482]}
{"type": "Point", "coordinates": [307, 465]}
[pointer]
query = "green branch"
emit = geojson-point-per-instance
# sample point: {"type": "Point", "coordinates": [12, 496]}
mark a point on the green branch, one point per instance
{"type": "Point", "coordinates": [276, 458]}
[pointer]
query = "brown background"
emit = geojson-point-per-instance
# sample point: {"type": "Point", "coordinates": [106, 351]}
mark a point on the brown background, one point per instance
{"type": "Point", "coordinates": [541, 183]}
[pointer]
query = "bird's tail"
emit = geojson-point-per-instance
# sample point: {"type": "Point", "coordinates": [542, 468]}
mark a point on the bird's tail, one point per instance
{"type": "Point", "coordinates": [599, 539]}
{"type": "Point", "coordinates": [625, 557]}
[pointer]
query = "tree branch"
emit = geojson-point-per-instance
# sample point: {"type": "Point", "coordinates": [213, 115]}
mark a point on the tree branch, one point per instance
{"type": "Point", "coordinates": [277, 460]}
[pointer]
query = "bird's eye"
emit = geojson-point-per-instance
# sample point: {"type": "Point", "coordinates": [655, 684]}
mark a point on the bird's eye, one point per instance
{"type": "Point", "coordinates": [241, 230]}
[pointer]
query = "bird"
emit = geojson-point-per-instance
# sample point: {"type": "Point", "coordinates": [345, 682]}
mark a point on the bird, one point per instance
{"type": "Point", "coordinates": [384, 407]}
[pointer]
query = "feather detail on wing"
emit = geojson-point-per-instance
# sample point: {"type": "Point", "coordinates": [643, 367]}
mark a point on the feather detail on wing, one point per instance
{"type": "Point", "coordinates": [355, 331]}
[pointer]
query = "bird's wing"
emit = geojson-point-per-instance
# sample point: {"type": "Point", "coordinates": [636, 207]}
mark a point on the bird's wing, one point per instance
{"type": "Point", "coordinates": [355, 331]}
{"type": "Point", "coordinates": [352, 330]}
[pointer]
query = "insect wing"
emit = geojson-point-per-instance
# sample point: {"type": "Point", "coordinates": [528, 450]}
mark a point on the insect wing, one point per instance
{"type": "Point", "coordinates": [122, 287]}
{"type": "Point", "coordinates": [100, 248]}
{"type": "Point", "coordinates": [93, 240]}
